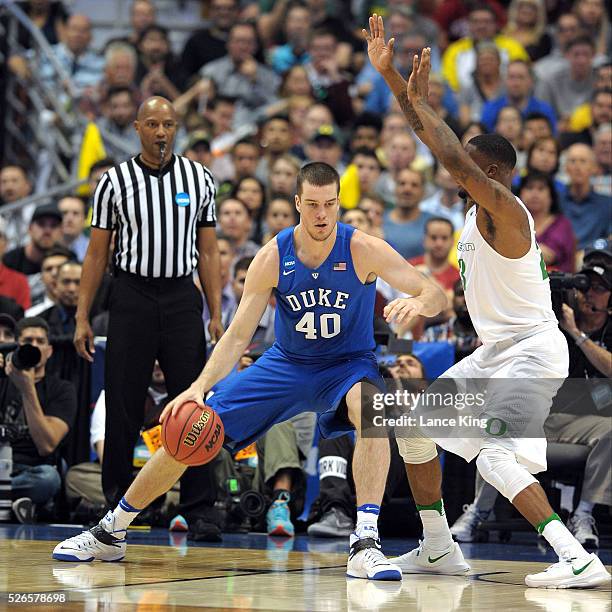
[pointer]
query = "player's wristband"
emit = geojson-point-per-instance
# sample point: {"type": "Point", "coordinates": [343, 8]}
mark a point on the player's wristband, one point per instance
{"type": "Point", "coordinates": [581, 339]}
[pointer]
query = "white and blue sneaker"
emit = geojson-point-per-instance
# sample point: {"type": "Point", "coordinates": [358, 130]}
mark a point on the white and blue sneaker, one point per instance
{"type": "Point", "coordinates": [97, 543]}
{"type": "Point", "coordinates": [366, 560]}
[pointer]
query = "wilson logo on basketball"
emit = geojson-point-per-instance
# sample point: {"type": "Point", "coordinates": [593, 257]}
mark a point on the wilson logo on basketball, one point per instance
{"type": "Point", "coordinates": [196, 429]}
{"type": "Point", "coordinates": [213, 438]}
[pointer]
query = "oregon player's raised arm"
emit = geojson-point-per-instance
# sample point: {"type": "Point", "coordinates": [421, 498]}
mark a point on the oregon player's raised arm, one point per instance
{"type": "Point", "coordinates": [412, 98]}
{"type": "Point", "coordinates": [374, 257]}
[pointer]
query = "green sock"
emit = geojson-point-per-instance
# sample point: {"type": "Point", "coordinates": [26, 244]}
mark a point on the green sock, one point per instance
{"type": "Point", "coordinates": [439, 506]}
{"type": "Point", "coordinates": [553, 517]}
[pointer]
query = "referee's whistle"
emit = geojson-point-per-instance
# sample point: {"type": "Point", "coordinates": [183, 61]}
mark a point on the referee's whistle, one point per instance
{"type": "Point", "coordinates": [162, 153]}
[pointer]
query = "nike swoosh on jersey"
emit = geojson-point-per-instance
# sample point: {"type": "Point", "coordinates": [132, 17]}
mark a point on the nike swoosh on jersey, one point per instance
{"type": "Point", "coordinates": [577, 572]}
{"type": "Point", "coordinates": [438, 558]}
{"type": "Point", "coordinates": [285, 272]}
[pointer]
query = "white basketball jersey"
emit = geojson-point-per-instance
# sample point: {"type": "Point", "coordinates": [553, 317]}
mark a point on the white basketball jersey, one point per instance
{"type": "Point", "coordinates": [505, 297]}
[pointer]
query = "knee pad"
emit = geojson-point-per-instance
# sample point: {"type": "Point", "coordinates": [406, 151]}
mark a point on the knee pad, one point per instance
{"type": "Point", "coordinates": [499, 467]}
{"type": "Point", "coordinates": [417, 450]}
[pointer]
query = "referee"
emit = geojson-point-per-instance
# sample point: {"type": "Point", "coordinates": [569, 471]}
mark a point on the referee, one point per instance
{"type": "Point", "coordinates": [162, 209]}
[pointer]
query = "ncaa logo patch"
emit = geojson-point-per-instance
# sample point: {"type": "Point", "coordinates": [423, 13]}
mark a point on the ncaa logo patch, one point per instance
{"type": "Point", "coordinates": [182, 199]}
{"type": "Point", "coordinates": [288, 262]}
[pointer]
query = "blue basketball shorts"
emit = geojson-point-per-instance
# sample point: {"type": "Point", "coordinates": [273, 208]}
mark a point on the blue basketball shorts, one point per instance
{"type": "Point", "coordinates": [276, 388]}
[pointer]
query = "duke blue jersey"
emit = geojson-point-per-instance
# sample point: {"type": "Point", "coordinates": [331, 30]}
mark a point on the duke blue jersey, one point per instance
{"type": "Point", "coordinates": [324, 313]}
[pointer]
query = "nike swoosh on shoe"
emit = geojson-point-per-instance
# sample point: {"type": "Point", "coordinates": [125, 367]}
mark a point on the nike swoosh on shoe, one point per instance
{"type": "Point", "coordinates": [438, 558]}
{"type": "Point", "coordinates": [577, 572]}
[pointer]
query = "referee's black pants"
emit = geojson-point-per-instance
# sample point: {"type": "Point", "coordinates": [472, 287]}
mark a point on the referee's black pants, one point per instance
{"type": "Point", "coordinates": [150, 319]}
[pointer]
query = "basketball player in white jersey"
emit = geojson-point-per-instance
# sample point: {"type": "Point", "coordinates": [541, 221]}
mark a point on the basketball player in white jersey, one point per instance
{"type": "Point", "coordinates": [508, 296]}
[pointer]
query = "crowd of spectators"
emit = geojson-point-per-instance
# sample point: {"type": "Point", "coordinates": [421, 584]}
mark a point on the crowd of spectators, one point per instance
{"type": "Point", "coordinates": [263, 87]}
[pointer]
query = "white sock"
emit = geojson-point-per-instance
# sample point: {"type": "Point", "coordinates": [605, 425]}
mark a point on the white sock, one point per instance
{"type": "Point", "coordinates": [367, 521]}
{"type": "Point", "coordinates": [584, 507]}
{"type": "Point", "coordinates": [562, 541]}
{"type": "Point", "coordinates": [117, 521]}
{"type": "Point", "coordinates": [436, 533]}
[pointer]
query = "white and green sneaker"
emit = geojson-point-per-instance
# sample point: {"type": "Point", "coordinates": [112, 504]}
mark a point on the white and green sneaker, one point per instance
{"type": "Point", "coordinates": [571, 573]}
{"type": "Point", "coordinates": [423, 560]}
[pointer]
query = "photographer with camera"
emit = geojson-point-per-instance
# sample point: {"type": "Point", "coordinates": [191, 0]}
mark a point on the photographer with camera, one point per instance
{"type": "Point", "coordinates": [37, 411]}
{"type": "Point", "coordinates": [589, 336]}
{"type": "Point", "coordinates": [587, 328]}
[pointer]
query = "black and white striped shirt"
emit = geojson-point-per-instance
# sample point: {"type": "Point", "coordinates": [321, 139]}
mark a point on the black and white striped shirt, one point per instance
{"type": "Point", "coordinates": [156, 220]}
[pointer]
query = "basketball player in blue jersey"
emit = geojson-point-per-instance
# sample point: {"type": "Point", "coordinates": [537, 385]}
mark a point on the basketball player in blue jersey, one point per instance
{"type": "Point", "coordinates": [323, 275]}
{"type": "Point", "coordinates": [507, 293]}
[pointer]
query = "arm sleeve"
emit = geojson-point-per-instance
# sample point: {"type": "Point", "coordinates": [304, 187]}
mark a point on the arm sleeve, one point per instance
{"type": "Point", "coordinates": [103, 215]}
{"type": "Point", "coordinates": [207, 216]}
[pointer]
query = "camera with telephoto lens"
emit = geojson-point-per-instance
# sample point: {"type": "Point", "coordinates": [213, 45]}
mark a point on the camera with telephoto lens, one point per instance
{"type": "Point", "coordinates": [562, 287]}
{"type": "Point", "coordinates": [242, 506]}
{"type": "Point", "coordinates": [23, 356]}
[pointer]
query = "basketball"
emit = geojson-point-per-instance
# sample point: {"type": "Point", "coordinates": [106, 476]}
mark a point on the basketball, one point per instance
{"type": "Point", "coordinates": [193, 436]}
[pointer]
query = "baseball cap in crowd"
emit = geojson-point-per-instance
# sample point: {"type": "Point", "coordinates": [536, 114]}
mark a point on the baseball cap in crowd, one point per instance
{"type": "Point", "coordinates": [45, 211]}
{"type": "Point", "coordinates": [8, 306]}
{"type": "Point", "coordinates": [7, 321]}
{"type": "Point", "coordinates": [602, 270]}
{"type": "Point", "coordinates": [196, 138]}
{"type": "Point", "coordinates": [326, 132]}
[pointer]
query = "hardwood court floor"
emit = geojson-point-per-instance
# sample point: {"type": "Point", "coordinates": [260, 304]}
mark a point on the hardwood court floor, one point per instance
{"type": "Point", "coordinates": [241, 575]}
